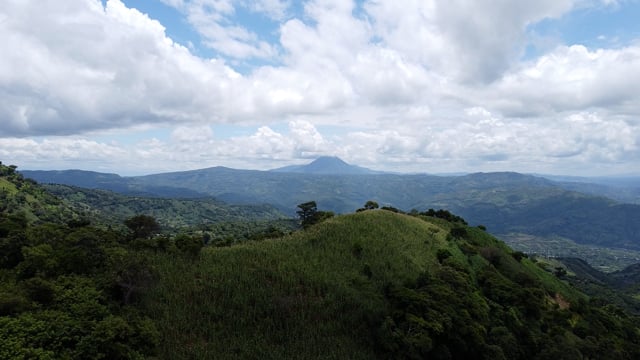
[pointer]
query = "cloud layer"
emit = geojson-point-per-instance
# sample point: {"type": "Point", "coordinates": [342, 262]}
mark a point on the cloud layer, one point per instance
{"type": "Point", "coordinates": [405, 85]}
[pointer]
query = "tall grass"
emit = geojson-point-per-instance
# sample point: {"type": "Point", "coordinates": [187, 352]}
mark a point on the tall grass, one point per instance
{"type": "Point", "coordinates": [315, 294]}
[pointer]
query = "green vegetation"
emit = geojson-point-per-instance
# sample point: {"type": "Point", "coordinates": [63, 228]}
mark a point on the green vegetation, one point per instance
{"type": "Point", "coordinates": [377, 284]}
{"type": "Point", "coordinates": [109, 208]}
{"type": "Point", "coordinates": [65, 293]}
{"type": "Point", "coordinates": [24, 198]}
{"type": "Point", "coordinates": [369, 205]}
{"type": "Point", "coordinates": [72, 291]}
{"type": "Point", "coordinates": [619, 287]}
{"type": "Point", "coordinates": [309, 214]}
{"type": "Point", "coordinates": [581, 218]}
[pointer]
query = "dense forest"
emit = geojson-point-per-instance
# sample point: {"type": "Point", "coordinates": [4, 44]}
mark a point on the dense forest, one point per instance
{"type": "Point", "coordinates": [378, 283]}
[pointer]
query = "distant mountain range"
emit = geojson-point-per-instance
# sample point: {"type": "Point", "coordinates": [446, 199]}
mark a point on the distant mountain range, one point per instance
{"type": "Point", "coordinates": [504, 202]}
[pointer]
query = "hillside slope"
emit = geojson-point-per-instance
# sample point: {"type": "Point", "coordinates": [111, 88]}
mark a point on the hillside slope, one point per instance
{"type": "Point", "coordinates": [113, 208]}
{"type": "Point", "coordinates": [582, 218]}
{"type": "Point", "coordinates": [620, 287]}
{"type": "Point", "coordinates": [24, 198]}
{"type": "Point", "coordinates": [106, 181]}
{"type": "Point", "coordinates": [378, 285]}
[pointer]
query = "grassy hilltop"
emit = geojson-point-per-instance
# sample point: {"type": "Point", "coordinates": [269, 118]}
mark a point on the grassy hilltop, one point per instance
{"type": "Point", "coordinates": [378, 285]}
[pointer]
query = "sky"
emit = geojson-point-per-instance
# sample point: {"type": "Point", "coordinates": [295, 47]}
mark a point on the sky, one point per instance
{"type": "Point", "coordinates": [432, 86]}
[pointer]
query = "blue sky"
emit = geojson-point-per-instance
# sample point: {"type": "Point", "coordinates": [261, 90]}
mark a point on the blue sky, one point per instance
{"type": "Point", "coordinates": [145, 86]}
{"type": "Point", "coordinates": [594, 27]}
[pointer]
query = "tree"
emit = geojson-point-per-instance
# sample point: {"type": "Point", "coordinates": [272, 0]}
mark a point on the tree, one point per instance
{"type": "Point", "coordinates": [190, 245]}
{"type": "Point", "coordinates": [392, 209]}
{"type": "Point", "coordinates": [458, 232]}
{"type": "Point", "coordinates": [443, 254]}
{"type": "Point", "coordinates": [307, 213]}
{"type": "Point", "coordinates": [369, 205]}
{"type": "Point", "coordinates": [12, 239]}
{"type": "Point", "coordinates": [132, 274]}
{"type": "Point", "coordinates": [142, 226]}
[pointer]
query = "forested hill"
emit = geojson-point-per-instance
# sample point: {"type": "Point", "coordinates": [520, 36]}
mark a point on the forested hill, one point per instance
{"type": "Point", "coordinates": [111, 208]}
{"type": "Point", "coordinates": [24, 199]}
{"type": "Point", "coordinates": [35, 203]}
{"type": "Point", "coordinates": [111, 182]}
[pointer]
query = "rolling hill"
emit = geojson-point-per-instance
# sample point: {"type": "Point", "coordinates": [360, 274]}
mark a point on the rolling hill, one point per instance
{"type": "Point", "coordinates": [625, 189]}
{"type": "Point", "coordinates": [105, 181]}
{"type": "Point", "coordinates": [378, 285]}
{"type": "Point", "coordinates": [621, 287]}
{"type": "Point", "coordinates": [38, 203]}
{"type": "Point", "coordinates": [22, 198]}
{"type": "Point", "coordinates": [110, 208]}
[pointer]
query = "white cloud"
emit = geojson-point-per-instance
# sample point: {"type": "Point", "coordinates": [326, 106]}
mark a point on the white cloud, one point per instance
{"type": "Point", "coordinates": [55, 153]}
{"type": "Point", "coordinates": [477, 139]}
{"type": "Point", "coordinates": [308, 142]}
{"type": "Point", "coordinates": [84, 67]}
{"type": "Point", "coordinates": [466, 40]}
{"type": "Point", "coordinates": [274, 9]}
{"type": "Point", "coordinates": [211, 18]}
{"type": "Point", "coordinates": [572, 78]}
{"type": "Point", "coordinates": [192, 134]}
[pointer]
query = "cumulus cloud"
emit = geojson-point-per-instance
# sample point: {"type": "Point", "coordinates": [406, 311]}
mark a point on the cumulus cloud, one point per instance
{"type": "Point", "coordinates": [56, 153]}
{"type": "Point", "coordinates": [209, 17]}
{"type": "Point", "coordinates": [213, 21]}
{"type": "Point", "coordinates": [86, 67]}
{"type": "Point", "coordinates": [478, 139]}
{"type": "Point", "coordinates": [274, 9]}
{"type": "Point", "coordinates": [472, 41]}
{"type": "Point", "coordinates": [572, 78]}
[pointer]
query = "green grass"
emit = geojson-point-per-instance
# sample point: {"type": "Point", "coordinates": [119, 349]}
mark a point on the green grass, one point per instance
{"type": "Point", "coordinates": [281, 298]}
{"type": "Point", "coordinates": [8, 186]}
{"type": "Point", "coordinates": [314, 294]}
